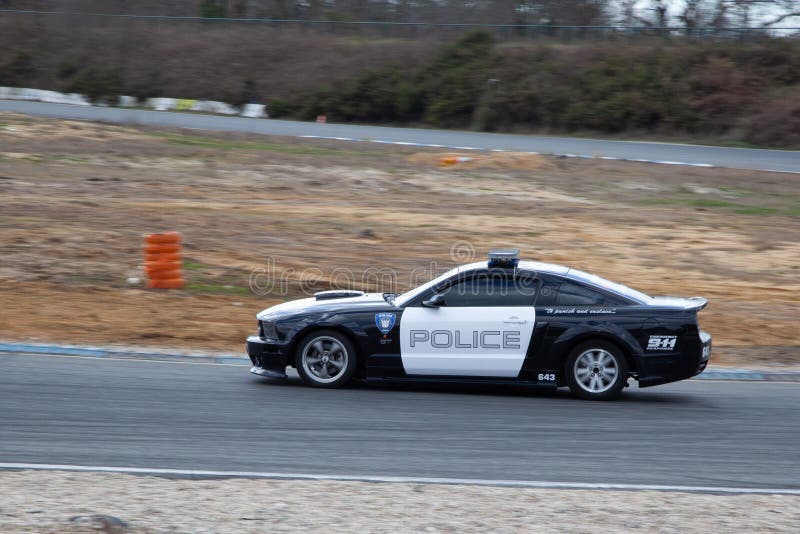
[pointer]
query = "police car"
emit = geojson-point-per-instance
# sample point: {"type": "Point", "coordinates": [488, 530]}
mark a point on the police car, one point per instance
{"type": "Point", "coordinates": [501, 321]}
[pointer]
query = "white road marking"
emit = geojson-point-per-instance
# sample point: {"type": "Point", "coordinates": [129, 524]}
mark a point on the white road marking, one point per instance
{"type": "Point", "coordinates": [413, 480]}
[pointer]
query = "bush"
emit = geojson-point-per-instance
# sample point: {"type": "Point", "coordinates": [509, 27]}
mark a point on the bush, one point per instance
{"type": "Point", "coordinates": [18, 70]}
{"type": "Point", "coordinates": [98, 85]}
{"type": "Point", "coordinates": [778, 122]}
{"type": "Point", "coordinates": [452, 84]}
{"type": "Point", "coordinates": [212, 9]}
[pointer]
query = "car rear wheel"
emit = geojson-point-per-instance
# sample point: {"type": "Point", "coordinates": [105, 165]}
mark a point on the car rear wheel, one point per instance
{"type": "Point", "coordinates": [325, 359]}
{"type": "Point", "coordinates": [596, 370]}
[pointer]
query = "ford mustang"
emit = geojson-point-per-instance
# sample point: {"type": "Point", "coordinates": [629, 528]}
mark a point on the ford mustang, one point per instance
{"type": "Point", "coordinates": [501, 321]}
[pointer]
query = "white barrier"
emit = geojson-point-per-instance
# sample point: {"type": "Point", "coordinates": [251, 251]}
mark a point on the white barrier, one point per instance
{"type": "Point", "coordinates": [40, 95]}
{"type": "Point", "coordinates": [161, 104]}
{"type": "Point", "coordinates": [128, 101]}
{"type": "Point", "coordinates": [253, 111]}
{"type": "Point", "coordinates": [211, 106]}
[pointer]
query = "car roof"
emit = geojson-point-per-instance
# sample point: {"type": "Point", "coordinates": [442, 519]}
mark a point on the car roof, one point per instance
{"type": "Point", "coordinates": [571, 274]}
{"type": "Point", "coordinates": [537, 266]}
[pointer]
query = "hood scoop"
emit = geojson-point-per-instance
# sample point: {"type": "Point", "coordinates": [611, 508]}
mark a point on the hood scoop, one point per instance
{"type": "Point", "coordinates": [337, 294]}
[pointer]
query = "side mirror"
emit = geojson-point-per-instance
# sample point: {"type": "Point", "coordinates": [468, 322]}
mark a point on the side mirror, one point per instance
{"type": "Point", "coordinates": [434, 302]}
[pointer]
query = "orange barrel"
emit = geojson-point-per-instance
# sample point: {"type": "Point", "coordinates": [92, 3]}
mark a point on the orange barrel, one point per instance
{"type": "Point", "coordinates": [162, 248]}
{"type": "Point", "coordinates": [169, 238]}
{"type": "Point", "coordinates": [163, 256]}
{"type": "Point", "coordinates": [162, 260]}
{"type": "Point", "coordinates": [171, 283]}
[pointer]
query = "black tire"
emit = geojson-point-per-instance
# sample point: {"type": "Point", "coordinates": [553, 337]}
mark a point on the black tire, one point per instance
{"type": "Point", "coordinates": [596, 370]}
{"type": "Point", "coordinates": [317, 355]}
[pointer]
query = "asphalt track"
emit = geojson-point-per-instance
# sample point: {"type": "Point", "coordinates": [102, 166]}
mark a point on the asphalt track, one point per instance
{"type": "Point", "coordinates": [741, 158]}
{"type": "Point", "coordinates": [170, 415]}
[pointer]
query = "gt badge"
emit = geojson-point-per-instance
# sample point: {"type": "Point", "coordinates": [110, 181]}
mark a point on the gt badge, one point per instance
{"type": "Point", "coordinates": [384, 322]}
{"type": "Point", "coordinates": [661, 342]}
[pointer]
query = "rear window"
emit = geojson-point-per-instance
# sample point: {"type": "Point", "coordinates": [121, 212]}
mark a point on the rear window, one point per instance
{"type": "Point", "coordinates": [567, 293]}
{"type": "Point", "coordinates": [614, 287]}
{"type": "Point", "coordinates": [570, 294]}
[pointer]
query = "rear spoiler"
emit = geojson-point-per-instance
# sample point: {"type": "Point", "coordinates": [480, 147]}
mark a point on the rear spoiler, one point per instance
{"type": "Point", "coordinates": [681, 303]}
{"type": "Point", "coordinates": [699, 303]}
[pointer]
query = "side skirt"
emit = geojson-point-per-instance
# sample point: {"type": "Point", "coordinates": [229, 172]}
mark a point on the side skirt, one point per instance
{"type": "Point", "coordinates": [462, 381]}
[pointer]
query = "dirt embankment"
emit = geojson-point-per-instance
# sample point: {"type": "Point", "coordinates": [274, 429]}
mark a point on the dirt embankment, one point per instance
{"type": "Point", "coordinates": [256, 211]}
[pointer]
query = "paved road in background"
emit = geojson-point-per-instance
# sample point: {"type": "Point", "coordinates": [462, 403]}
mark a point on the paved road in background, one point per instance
{"type": "Point", "coordinates": [101, 412]}
{"type": "Point", "coordinates": [742, 158]}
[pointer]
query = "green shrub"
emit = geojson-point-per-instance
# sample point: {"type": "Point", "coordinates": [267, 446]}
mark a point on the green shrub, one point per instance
{"type": "Point", "coordinates": [97, 84]}
{"type": "Point", "coordinates": [452, 84]}
{"type": "Point", "coordinates": [213, 9]}
{"type": "Point", "coordinates": [18, 70]}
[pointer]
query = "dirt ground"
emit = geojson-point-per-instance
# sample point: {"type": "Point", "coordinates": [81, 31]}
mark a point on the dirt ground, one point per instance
{"type": "Point", "coordinates": [267, 219]}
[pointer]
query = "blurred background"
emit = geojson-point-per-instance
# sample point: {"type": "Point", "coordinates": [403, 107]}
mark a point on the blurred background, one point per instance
{"type": "Point", "coordinates": [710, 70]}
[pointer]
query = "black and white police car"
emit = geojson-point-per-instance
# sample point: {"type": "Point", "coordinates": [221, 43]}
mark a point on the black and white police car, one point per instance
{"type": "Point", "coordinates": [501, 321]}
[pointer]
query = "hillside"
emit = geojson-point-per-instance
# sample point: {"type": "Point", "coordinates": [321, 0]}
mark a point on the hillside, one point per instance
{"type": "Point", "coordinates": [741, 91]}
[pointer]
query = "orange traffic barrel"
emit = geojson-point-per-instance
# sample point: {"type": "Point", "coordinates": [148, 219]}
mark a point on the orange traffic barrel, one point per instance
{"type": "Point", "coordinates": [162, 261]}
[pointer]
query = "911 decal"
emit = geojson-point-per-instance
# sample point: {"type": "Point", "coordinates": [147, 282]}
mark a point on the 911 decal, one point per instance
{"type": "Point", "coordinates": [662, 342]}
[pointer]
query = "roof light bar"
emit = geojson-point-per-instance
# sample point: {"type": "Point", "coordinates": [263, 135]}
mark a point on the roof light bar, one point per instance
{"type": "Point", "coordinates": [505, 257]}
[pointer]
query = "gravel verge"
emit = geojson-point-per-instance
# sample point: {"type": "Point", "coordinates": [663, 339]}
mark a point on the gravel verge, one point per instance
{"type": "Point", "coordinates": [36, 501]}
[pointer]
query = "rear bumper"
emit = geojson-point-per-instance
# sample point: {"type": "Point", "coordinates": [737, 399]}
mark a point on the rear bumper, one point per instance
{"type": "Point", "coordinates": [705, 339]}
{"type": "Point", "coordinates": [268, 357]}
{"type": "Point", "coordinates": [659, 369]}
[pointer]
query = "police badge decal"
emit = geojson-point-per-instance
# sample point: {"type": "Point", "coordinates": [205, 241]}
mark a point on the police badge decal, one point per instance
{"type": "Point", "coordinates": [385, 323]}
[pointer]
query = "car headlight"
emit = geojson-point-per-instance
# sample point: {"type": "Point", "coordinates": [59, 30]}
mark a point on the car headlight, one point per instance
{"type": "Point", "coordinates": [267, 329]}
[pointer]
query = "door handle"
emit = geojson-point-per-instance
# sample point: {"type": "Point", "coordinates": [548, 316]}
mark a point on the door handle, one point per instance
{"type": "Point", "coordinates": [515, 320]}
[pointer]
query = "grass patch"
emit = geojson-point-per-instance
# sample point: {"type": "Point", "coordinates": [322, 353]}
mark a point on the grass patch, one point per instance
{"type": "Point", "coordinates": [208, 142]}
{"type": "Point", "coordinates": [741, 209]}
{"type": "Point", "coordinates": [793, 212]}
{"type": "Point", "coordinates": [193, 265]}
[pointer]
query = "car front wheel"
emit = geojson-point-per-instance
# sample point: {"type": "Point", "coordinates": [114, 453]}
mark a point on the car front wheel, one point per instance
{"type": "Point", "coordinates": [596, 370]}
{"type": "Point", "coordinates": [325, 359]}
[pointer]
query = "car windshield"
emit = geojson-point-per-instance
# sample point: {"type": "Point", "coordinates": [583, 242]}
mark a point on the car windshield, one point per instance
{"type": "Point", "coordinates": [611, 286]}
{"type": "Point", "coordinates": [404, 298]}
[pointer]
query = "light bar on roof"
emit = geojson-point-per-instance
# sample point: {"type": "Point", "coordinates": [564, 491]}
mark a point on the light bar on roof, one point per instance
{"type": "Point", "coordinates": [504, 257]}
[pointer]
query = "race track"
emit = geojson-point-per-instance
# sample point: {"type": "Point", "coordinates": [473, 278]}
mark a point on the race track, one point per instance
{"type": "Point", "coordinates": [741, 158]}
{"type": "Point", "coordinates": [104, 412]}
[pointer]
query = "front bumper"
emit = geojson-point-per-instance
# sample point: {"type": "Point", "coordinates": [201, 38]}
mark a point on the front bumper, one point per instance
{"type": "Point", "coordinates": [269, 358]}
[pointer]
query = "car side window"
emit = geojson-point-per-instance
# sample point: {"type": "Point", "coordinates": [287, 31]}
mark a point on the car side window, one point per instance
{"type": "Point", "coordinates": [571, 294]}
{"type": "Point", "coordinates": [491, 291]}
{"type": "Point", "coordinates": [548, 293]}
